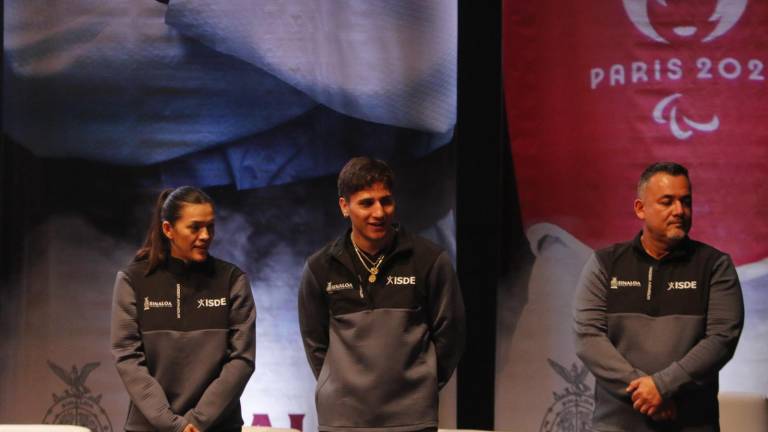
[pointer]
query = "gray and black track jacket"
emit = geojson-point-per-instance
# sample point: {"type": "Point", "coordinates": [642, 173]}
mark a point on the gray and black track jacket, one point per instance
{"type": "Point", "coordinates": [381, 351]}
{"type": "Point", "coordinates": [183, 343]}
{"type": "Point", "coordinates": [677, 319]}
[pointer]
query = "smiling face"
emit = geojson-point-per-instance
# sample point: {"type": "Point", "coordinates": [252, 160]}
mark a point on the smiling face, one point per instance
{"type": "Point", "coordinates": [665, 206]}
{"type": "Point", "coordinates": [191, 234]}
{"type": "Point", "coordinates": [370, 212]}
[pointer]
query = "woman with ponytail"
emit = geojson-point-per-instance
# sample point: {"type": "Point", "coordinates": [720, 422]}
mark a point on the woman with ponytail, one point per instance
{"type": "Point", "coordinates": [183, 324]}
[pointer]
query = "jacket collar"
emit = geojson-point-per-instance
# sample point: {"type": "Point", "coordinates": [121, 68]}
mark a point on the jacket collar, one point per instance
{"type": "Point", "coordinates": [180, 268]}
{"type": "Point", "coordinates": [403, 244]}
{"type": "Point", "coordinates": [683, 249]}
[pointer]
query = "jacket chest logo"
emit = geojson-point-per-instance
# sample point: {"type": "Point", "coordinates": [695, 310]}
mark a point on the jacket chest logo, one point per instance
{"type": "Point", "coordinates": [681, 285]}
{"type": "Point", "coordinates": [211, 302]}
{"type": "Point", "coordinates": [616, 283]}
{"type": "Point", "coordinates": [149, 304]}
{"type": "Point", "coordinates": [401, 280]}
{"type": "Point", "coordinates": [333, 287]}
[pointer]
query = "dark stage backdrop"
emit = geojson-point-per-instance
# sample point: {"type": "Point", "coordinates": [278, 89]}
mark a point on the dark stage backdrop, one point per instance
{"type": "Point", "coordinates": [594, 93]}
{"type": "Point", "coordinates": [261, 103]}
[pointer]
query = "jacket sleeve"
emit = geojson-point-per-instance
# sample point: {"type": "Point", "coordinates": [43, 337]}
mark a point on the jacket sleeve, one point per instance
{"type": "Point", "coordinates": [313, 320]}
{"type": "Point", "coordinates": [725, 319]}
{"type": "Point", "coordinates": [446, 317]}
{"type": "Point", "coordinates": [612, 371]}
{"type": "Point", "coordinates": [239, 365]}
{"type": "Point", "coordinates": [128, 351]}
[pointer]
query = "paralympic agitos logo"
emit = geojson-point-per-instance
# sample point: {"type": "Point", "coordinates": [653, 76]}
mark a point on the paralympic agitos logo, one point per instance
{"type": "Point", "coordinates": [683, 30]}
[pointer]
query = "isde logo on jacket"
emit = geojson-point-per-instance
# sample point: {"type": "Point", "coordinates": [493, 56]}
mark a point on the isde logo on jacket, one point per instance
{"type": "Point", "coordinates": [211, 302]}
{"type": "Point", "coordinates": [401, 280]}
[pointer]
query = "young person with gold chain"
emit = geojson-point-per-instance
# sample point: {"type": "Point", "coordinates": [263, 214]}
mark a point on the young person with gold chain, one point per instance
{"type": "Point", "coordinates": [381, 314]}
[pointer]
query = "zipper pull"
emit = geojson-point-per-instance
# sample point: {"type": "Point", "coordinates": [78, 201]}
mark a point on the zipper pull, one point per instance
{"type": "Point", "coordinates": [650, 283]}
{"type": "Point", "coordinates": [360, 285]}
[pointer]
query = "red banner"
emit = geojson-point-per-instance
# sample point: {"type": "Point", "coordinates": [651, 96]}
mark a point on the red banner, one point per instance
{"type": "Point", "coordinates": [596, 91]}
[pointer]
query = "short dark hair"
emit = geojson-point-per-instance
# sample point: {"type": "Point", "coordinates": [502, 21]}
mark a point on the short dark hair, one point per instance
{"type": "Point", "coordinates": [363, 172]}
{"type": "Point", "coordinates": [671, 168]}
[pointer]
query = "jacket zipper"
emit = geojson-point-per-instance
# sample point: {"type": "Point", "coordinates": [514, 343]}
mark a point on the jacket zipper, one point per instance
{"type": "Point", "coordinates": [178, 301]}
{"type": "Point", "coordinates": [650, 283]}
{"type": "Point", "coordinates": [360, 289]}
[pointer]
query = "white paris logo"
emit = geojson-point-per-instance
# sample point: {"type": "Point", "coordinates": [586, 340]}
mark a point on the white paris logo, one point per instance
{"type": "Point", "coordinates": [726, 14]}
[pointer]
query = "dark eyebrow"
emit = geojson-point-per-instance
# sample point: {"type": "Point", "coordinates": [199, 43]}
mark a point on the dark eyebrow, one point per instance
{"type": "Point", "coordinates": [202, 222]}
{"type": "Point", "coordinates": [670, 196]}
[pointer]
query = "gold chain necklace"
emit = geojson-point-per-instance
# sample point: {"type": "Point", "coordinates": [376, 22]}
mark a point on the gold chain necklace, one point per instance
{"type": "Point", "coordinates": [373, 270]}
{"type": "Point", "coordinates": [365, 257]}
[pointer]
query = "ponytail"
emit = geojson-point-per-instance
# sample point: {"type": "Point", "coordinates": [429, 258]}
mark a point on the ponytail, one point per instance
{"type": "Point", "coordinates": [156, 248]}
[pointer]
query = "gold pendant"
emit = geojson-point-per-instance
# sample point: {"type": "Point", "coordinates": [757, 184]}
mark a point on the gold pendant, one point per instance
{"type": "Point", "coordinates": [372, 278]}
{"type": "Point", "coordinates": [373, 271]}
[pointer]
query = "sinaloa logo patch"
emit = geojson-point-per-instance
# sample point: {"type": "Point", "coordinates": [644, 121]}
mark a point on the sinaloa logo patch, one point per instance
{"type": "Point", "coordinates": [616, 283]}
{"type": "Point", "coordinates": [401, 280]}
{"type": "Point", "coordinates": [211, 302]}
{"type": "Point", "coordinates": [149, 304]}
{"type": "Point", "coordinates": [333, 287]}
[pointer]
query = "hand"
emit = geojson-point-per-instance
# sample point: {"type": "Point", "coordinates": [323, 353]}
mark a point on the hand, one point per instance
{"type": "Point", "coordinates": [191, 428]}
{"type": "Point", "coordinates": [645, 395]}
{"type": "Point", "coordinates": [666, 412]}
